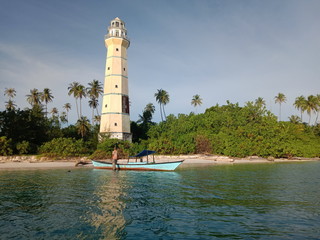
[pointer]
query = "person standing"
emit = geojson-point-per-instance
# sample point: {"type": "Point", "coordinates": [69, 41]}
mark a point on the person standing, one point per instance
{"type": "Point", "coordinates": [114, 158]}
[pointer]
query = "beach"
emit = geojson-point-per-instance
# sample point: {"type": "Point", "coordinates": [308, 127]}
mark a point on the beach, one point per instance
{"type": "Point", "coordinates": [31, 162]}
{"type": "Point", "coordinates": [37, 165]}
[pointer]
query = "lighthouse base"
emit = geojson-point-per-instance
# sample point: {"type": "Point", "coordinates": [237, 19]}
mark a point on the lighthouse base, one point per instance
{"type": "Point", "coordinates": [119, 135]}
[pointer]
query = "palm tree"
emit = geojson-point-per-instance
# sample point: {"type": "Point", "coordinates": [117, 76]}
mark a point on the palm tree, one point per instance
{"type": "Point", "coordinates": [196, 101]}
{"type": "Point", "coordinates": [54, 111]}
{"type": "Point", "coordinates": [311, 105]}
{"type": "Point", "coordinates": [162, 97]}
{"type": "Point", "coordinates": [280, 98]}
{"type": "Point", "coordinates": [46, 97]}
{"type": "Point", "coordinates": [83, 126]}
{"type": "Point", "coordinates": [165, 101]}
{"type": "Point", "coordinates": [300, 104]}
{"type": "Point", "coordinates": [158, 96]}
{"type": "Point", "coordinates": [81, 92]}
{"type": "Point", "coordinates": [63, 117]}
{"type": "Point", "coordinates": [67, 107]}
{"type": "Point", "coordinates": [295, 119]}
{"type": "Point", "coordinates": [146, 116]}
{"type": "Point", "coordinates": [10, 105]}
{"type": "Point", "coordinates": [73, 89]}
{"type": "Point", "coordinates": [10, 92]}
{"type": "Point", "coordinates": [260, 102]}
{"type": "Point", "coordinates": [94, 91]}
{"type": "Point", "coordinates": [97, 118]}
{"type": "Point", "coordinates": [34, 97]}
{"type": "Point", "coordinates": [150, 108]}
{"type": "Point", "coordinates": [93, 103]}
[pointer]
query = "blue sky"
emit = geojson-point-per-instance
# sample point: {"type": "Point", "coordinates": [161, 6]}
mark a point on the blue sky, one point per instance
{"type": "Point", "coordinates": [221, 50]}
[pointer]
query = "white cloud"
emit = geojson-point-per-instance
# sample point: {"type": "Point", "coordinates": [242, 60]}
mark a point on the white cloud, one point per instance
{"type": "Point", "coordinates": [26, 68]}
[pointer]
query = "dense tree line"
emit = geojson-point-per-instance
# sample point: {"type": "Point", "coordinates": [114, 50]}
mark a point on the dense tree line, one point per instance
{"type": "Point", "coordinates": [229, 129]}
{"type": "Point", "coordinates": [26, 131]}
{"type": "Point", "coordinates": [234, 131]}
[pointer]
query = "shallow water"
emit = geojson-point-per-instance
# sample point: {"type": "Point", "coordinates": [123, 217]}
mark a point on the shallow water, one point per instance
{"type": "Point", "coordinates": [245, 201]}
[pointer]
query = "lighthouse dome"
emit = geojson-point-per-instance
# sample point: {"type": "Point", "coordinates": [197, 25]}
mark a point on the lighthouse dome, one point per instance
{"type": "Point", "coordinates": [117, 29]}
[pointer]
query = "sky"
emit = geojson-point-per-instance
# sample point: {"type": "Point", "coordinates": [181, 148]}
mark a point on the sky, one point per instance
{"type": "Point", "coordinates": [236, 50]}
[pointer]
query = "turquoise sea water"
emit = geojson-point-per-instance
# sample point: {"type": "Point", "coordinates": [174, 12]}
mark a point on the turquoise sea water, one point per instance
{"type": "Point", "coordinates": [247, 201]}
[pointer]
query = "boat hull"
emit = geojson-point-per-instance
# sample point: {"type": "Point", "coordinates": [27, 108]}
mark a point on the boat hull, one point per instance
{"type": "Point", "coordinates": [165, 166]}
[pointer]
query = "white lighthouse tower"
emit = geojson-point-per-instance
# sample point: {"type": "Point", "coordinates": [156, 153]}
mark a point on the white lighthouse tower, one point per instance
{"type": "Point", "coordinates": [115, 118]}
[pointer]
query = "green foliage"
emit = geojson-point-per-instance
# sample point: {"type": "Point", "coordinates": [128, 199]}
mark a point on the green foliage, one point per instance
{"type": "Point", "coordinates": [29, 129]}
{"type": "Point", "coordinates": [227, 130]}
{"type": "Point", "coordinates": [234, 131]}
{"type": "Point", "coordinates": [203, 144]}
{"type": "Point", "coordinates": [5, 146]}
{"type": "Point", "coordinates": [99, 154]}
{"type": "Point", "coordinates": [63, 147]}
{"type": "Point", "coordinates": [138, 147]}
{"type": "Point", "coordinates": [140, 128]}
{"type": "Point", "coordinates": [108, 146]}
{"type": "Point", "coordinates": [70, 132]}
{"type": "Point", "coordinates": [23, 147]}
{"type": "Point", "coordinates": [27, 125]}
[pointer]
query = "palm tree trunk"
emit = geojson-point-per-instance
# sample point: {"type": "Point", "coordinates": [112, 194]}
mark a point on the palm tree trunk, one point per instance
{"type": "Point", "coordinates": [164, 113]}
{"type": "Point", "coordinates": [161, 113]}
{"type": "Point", "coordinates": [46, 110]}
{"type": "Point", "coordinates": [279, 112]}
{"type": "Point", "coordinates": [309, 119]}
{"type": "Point", "coordinates": [92, 116]}
{"type": "Point", "coordinates": [67, 118]}
{"type": "Point", "coordinates": [77, 108]}
{"type": "Point", "coordinates": [80, 109]}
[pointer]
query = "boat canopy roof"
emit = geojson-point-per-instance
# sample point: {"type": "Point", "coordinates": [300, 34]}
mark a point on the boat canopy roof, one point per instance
{"type": "Point", "coordinates": [144, 153]}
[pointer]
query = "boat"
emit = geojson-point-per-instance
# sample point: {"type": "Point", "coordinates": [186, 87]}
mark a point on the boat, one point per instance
{"type": "Point", "coordinates": [139, 165]}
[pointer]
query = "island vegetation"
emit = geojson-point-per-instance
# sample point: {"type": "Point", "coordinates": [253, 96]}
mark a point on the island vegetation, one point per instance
{"type": "Point", "coordinates": [229, 129]}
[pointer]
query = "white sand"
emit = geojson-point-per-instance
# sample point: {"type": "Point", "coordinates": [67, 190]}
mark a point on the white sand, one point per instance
{"type": "Point", "coordinates": [189, 160]}
{"type": "Point", "coordinates": [28, 165]}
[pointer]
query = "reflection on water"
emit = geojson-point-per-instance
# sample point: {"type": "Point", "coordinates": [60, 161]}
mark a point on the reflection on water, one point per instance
{"type": "Point", "coordinates": [110, 191]}
{"type": "Point", "coordinates": [262, 201]}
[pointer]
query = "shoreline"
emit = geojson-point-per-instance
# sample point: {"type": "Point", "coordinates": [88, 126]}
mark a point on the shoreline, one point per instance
{"type": "Point", "coordinates": [29, 162]}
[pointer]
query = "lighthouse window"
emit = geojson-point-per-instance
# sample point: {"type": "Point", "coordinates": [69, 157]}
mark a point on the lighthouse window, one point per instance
{"type": "Point", "coordinates": [117, 24]}
{"type": "Point", "coordinates": [124, 69]}
{"type": "Point", "coordinates": [116, 86]}
{"type": "Point", "coordinates": [125, 104]}
{"type": "Point", "coordinates": [115, 124]}
{"type": "Point", "coordinates": [108, 68]}
{"type": "Point", "coordinates": [117, 49]}
{"type": "Point", "coordinates": [106, 105]}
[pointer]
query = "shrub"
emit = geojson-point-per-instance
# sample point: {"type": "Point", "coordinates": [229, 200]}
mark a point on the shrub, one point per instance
{"type": "Point", "coordinates": [203, 144]}
{"type": "Point", "coordinates": [108, 145]}
{"type": "Point", "coordinates": [5, 146]}
{"type": "Point", "coordinates": [23, 147]}
{"type": "Point", "coordinates": [100, 154]}
{"type": "Point", "coordinates": [63, 147]}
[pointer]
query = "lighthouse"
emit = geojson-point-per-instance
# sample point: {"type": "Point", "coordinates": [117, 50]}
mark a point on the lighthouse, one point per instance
{"type": "Point", "coordinates": [115, 115]}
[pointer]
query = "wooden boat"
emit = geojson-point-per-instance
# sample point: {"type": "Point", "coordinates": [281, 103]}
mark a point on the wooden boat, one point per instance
{"type": "Point", "coordinates": [139, 166]}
